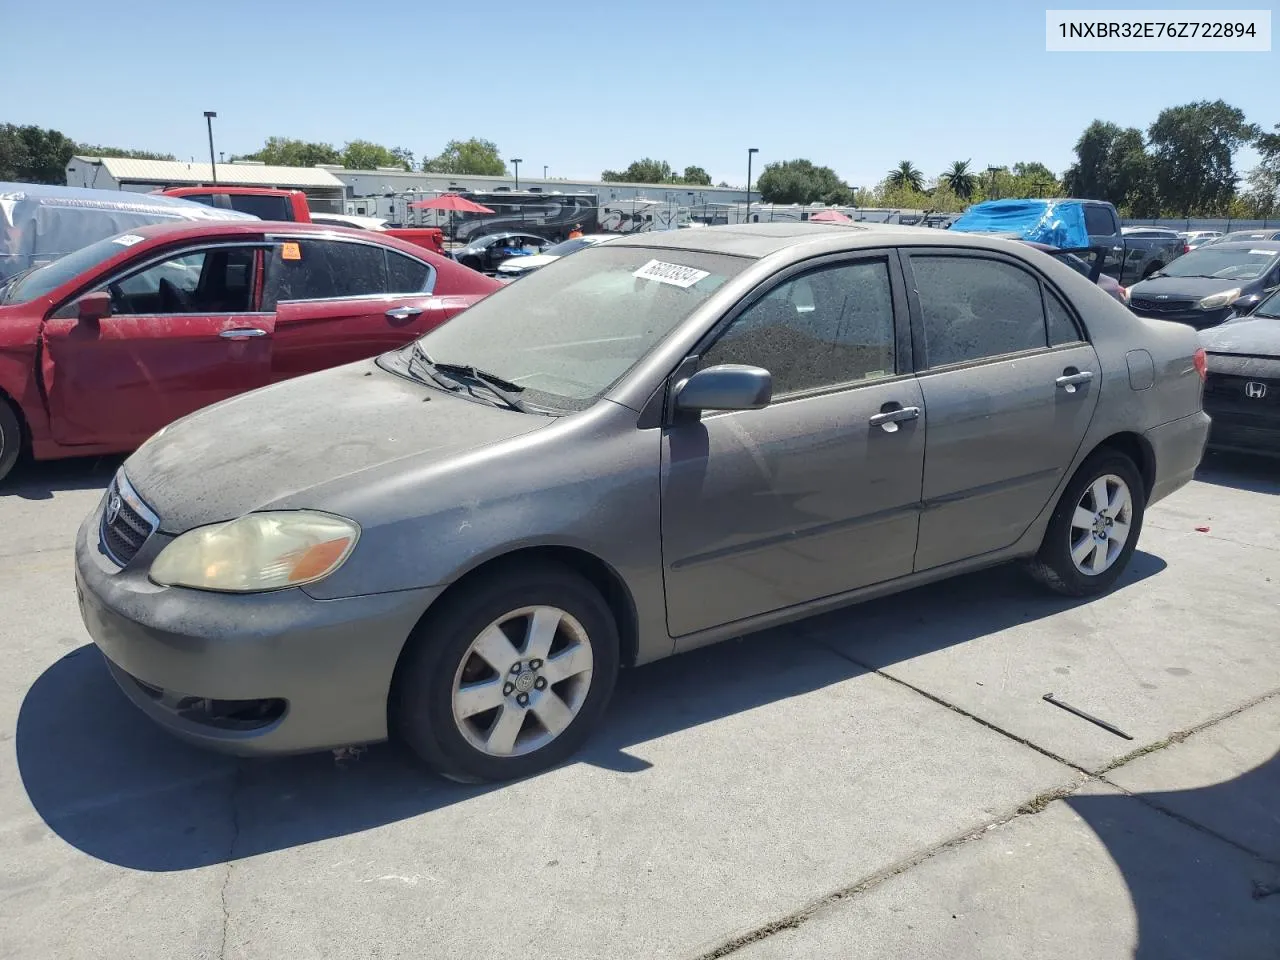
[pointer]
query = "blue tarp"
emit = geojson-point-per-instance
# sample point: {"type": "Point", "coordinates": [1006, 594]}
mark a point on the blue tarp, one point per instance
{"type": "Point", "coordinates": [1059, 223]}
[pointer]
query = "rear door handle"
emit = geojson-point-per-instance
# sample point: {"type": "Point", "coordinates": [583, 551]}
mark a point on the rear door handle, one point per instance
{"type": "Point", "coordinates": [1068, 381]}
{"type": "Point", "coordinates": [403, 313]}
{"type": "Point", "coordinates": [242, 333]}
{"type": "Point", "coordinates": [889, 419]}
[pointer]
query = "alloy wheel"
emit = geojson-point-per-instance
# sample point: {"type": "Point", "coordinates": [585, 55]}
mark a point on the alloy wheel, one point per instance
{"type": "Point", "coordinates": [1100, 525]}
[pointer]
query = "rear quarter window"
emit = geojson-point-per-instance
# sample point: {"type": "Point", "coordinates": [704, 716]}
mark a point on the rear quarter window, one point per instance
{"type": "Point", "coordinates": [1099, 221]}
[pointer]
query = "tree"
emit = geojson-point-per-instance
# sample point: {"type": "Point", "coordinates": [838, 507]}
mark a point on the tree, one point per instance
{"type": "Point", "coordinates": [1263, 196]}
{"type": "Point", "coordinates": [363, 155]}
{"type": "Point", "coordinates": [696, 176]}
{"type": "Point", "coordinates": [800, 181]}
{"type": "Point", "coordinates": [474, 157]}
{"type": "Point", "coordinates": [94, 150]}
{"type": "Point", "coordinates": [33, 154]}
{"type": "Point", "coordinates": [1112, 164]}
{"type": "Point", "coordinates": [1191, 155]}
{"type": "Point", "coordinates": [641, 171]}
{"type": "Point", "coordinates": [287, 152]}
{"type": "Point", "coordinates": [905, 174]}
{"type": "Point", "coordinates": [960, 180]}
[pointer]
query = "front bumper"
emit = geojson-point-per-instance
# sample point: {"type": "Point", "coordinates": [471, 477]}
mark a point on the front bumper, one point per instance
{"type": "Point", "coordinates": [1178, 447]}
{"type": "Point", "coordinates": [322, 668]}
{"type": "Point", "coordinates": [1244, 434]}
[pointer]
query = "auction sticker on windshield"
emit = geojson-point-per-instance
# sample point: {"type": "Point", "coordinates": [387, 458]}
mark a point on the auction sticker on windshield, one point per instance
{"type": "Point", "coordinates": [128, 240]}
{"type": "Point", "coordinates": [672, 273]}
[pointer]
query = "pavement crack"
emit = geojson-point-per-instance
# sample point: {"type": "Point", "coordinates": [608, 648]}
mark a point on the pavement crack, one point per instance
{"type": "Point", "coordinates": [1023, 741]}
{"type": "Point", "coordinates": [233, 800]}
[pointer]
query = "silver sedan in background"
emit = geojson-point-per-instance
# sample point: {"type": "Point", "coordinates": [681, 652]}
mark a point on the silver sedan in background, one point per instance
{"type": "Point", "coordinates": [654, 444]}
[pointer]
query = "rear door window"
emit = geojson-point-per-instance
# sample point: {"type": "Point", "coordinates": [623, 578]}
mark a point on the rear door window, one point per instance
{"type": "Point", "coordinates": [308, 269]}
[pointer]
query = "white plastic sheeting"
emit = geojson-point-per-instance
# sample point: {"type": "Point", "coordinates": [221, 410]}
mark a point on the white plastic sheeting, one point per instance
{"type": "Point", "coordinates": [40, 223]}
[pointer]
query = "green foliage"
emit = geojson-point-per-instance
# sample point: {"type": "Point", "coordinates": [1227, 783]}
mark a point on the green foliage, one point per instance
{"type": "Point", "coordinates": [287, 152]}
{"type": "Point", "coordinates": [800, 181]}
{"type": "Point", "coordinates": [363, 155]}
{"type": "Point", "coordinates": [94, 150]}
{"type": "Point", "coordinates": [474, 157]}
{"type": "Point", "coordinates": [906, 175]}
{"type": "Point", "coordinates": [1192, 147]}
{"type": "Point", "coordinates": [641, 171]}
{"type": "Point", "coordinates": [33, 154]}
{"type": "Point", "coordinates": [960, 180]}
{"type": "Point", "coordinates": [696, 177]}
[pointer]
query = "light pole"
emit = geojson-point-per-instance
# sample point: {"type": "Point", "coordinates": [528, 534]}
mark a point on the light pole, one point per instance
{"type": "Point", "coordinates": [751, 151]}
{"type": "Point", "coordinates": [213, 166]}
{"type": "Point", "coordinates": [516, 161]}
{"type": "Point", "coordinates": [993, 171]}
{"type": "Point", "coordinates": [544, 171]}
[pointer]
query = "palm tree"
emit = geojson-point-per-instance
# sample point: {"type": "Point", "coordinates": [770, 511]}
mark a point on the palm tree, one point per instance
{"type": "Point", "coordinates": [960, 180]}
{"type": "Point", "coordinates": [905, 174]}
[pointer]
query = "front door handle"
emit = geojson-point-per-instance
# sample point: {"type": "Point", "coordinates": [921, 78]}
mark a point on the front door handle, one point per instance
{"type": "Point", "coordinates": [1068, 381]}
{"type": "Point", "coordinates": [403, 313]}
{"type": "Point", "coordinates": [888, 420]}
{"type": "Point", "coordinates": [242, 333]}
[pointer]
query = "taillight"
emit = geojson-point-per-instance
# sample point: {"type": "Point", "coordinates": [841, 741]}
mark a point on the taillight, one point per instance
{"type": "Point", "coordinates": [1201, 363]}
{"type": "Point", "coordinates": [1124, 294]}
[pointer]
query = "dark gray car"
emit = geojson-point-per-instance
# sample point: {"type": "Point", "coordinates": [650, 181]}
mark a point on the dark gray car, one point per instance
{"type": "Point", "coordinates": [1210, 284]}
{"type": "Point", "coordinates": [657, 443]}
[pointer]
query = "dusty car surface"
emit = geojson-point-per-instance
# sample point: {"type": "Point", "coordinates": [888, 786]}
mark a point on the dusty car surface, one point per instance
{"type": "Point", "coordinates": [101, 348]}
{"type": "Point", "coordinates": [654, 444]}
{"type": "Point", "coordinates": [1242, 390]}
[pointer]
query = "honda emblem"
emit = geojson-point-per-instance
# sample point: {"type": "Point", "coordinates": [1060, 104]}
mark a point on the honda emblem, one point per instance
{"type": "Point", "coordinates": [1255, 390]}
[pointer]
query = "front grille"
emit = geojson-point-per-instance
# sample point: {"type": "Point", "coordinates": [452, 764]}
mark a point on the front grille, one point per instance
{"type": "Point", "coordinates": [1242, 392]}
{"type": "Point", "coordinates": [1161, 306]}
{"type": "Point", "coordinates": [127, 522]}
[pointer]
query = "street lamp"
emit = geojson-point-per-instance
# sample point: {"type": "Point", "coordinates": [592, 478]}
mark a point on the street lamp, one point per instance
{"type": "Point", "coordinates": [750, 152]}
{"type": "Point", "coordinates": [993, 171]}
{"type": "Point", "coordinates": [516, 161]}
{"type": "Point", "coordinates": [544, 171]}
{"type": "Point", "coordinates": [213, 166]}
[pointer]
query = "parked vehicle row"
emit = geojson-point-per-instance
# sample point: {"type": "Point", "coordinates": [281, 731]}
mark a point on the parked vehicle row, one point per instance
{"type": "Point", "coordinates": [106, 345]}
{"type": "Point", "coordinates": [1211, 283]}
{"type": "Point", "coordinates": [650, 445]}
{"type": "Point", "coordinates": [1242, 392]}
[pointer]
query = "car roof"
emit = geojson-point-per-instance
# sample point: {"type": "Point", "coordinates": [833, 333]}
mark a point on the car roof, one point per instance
{"type": "Point", "coordinates": [1271, 245]}
{"type": "Point", "coordinates": [758, 240]}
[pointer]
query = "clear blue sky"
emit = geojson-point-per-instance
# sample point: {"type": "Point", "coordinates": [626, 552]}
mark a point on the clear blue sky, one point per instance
{"type": "Point", "coordinates": [585, 86]}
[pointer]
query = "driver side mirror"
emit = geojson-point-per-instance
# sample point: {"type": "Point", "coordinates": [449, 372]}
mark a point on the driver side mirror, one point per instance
{"type": "Point", "coordinates": [92, 307]}
{"type": "Point", "coordinates": [727, 386]}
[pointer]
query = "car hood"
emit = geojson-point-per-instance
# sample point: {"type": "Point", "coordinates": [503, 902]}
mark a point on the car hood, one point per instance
{"type": "Point", "coordinates": [1184, 288]}
{"type": "Point", "coordinates": [531, 262]}
{"type": "Point", "coordinates": [263, 448]}
{"type": "Point", "coordinates": [1254, 336]}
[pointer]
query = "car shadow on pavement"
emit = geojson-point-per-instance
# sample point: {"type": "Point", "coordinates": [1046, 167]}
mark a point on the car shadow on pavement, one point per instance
{"type": "Point", "coordinates": [111, 783]}
{"type": "Point", "coordinates": [1243, 472]}
{"type": "Point", "coordinates": [40, 481]}
{"type": "Point", "coordinates": [1197, 895]}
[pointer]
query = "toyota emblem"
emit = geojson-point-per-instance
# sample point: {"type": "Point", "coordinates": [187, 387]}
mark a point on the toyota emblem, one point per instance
{"type": "Point", "coordinates": [113, 508]}
{"type": "Point", "coordinates": [1255, 390]}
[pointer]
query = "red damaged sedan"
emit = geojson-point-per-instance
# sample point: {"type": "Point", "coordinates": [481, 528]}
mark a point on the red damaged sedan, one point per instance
{"type": "Point", "coordinates": [103, 347]}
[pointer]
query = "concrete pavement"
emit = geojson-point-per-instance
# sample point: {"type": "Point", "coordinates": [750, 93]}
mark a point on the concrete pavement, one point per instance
{"type": "Point", "coordinates": [886, 781]}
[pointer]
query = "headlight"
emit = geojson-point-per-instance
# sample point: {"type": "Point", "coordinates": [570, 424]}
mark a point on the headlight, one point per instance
{"type": "Point", "coordinates": [260, 551]}
{"type": "Point", "coordinates": [1216, 300]}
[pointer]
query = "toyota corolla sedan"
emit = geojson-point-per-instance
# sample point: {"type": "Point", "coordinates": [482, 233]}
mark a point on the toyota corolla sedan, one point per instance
{"type": "Point", "coordinates": [654, 444]}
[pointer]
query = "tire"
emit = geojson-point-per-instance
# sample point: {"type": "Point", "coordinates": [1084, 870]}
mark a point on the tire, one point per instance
{"type": "Point", "coordinates": [1054, 565]}
{"type": "Point", "coordinates": [10, 437]}
{"type": "Point", "coordinates": [441, 659]}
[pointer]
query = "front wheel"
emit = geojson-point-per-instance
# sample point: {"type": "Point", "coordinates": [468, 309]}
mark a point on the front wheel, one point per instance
{"type": "Point", "coordinates": [510, 676]}
{"type": "Point", "coordinates": [1094, 529]}
{"type": "Point", "coordinates": [10, 437]}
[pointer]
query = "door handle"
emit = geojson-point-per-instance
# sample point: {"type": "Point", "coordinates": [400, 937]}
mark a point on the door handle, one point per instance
{"type": "Point", "coordinates": [888, 420]}
{"type": "Point", "coordinates": [1068, 381]}
{"type": "Point", "coordinates": [242, 333]}
{"type": "Point", "coordinates": [403, 313]}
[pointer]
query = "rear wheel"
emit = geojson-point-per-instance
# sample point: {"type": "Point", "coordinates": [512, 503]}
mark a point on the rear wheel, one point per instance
{"type": "Point", "coordinates": [10, 437]}
{"type": "Point", "coordinates": [510, 677]}
{"type": "Point", "coordinates": [1095, 527]}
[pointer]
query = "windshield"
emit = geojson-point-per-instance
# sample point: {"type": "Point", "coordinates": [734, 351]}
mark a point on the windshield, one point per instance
{"type": "Point", "coordinates": [1222, 263]}
{"type": "Point", "coordinates": [1269, 308]}
{"type": "Point", "coordinates": [568, 332]}
{"type": "Point", "coordinates": [48, 278]}
{"type": "Point", "coordinates": [568, 247]}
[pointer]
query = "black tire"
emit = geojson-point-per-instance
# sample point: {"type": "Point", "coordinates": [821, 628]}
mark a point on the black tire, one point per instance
{"type": "Point", "coordinates": [10, 437]}
{"type": "Point", "coordinates": [422, 694]}
{"type": "Point", "coordinates": [1053, 565]}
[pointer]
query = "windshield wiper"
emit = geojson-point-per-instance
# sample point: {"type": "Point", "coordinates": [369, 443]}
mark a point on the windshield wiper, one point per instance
{"type": "Point", "coordinates": [429, 367]}
{"type": "Point", "coordinates": [502, 389]}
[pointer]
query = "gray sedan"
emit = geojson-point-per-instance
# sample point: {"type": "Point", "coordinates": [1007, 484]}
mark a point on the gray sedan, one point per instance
{"type": "Point", "coordinates": [657, 443]}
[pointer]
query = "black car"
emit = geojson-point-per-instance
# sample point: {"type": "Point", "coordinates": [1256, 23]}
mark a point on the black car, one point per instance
{"type": "Point", "coordinates": [485, 253]}
{"type": "Point", "coordinates": [1210, 284]}
{"type": "Point", "coordinates": [1242, 236]}
{"type": "Point", "coordinates": [1242, 388]}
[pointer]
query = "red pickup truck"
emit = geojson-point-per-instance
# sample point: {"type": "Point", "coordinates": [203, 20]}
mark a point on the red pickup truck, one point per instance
{"type": "Point", "coordinates": [267, 203]}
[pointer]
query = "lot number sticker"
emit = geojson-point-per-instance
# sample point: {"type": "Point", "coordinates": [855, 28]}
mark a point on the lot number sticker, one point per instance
{"type": "Point", "coordinates": [671, 273]}
{"type": "Point", "coordinates": [290, 251]}
{"type": "Point", "coordinates": [128, 240]}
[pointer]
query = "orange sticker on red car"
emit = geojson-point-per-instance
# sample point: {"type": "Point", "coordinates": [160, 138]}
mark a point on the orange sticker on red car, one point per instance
{"type": "Point", "coordinates": [290, 251]}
